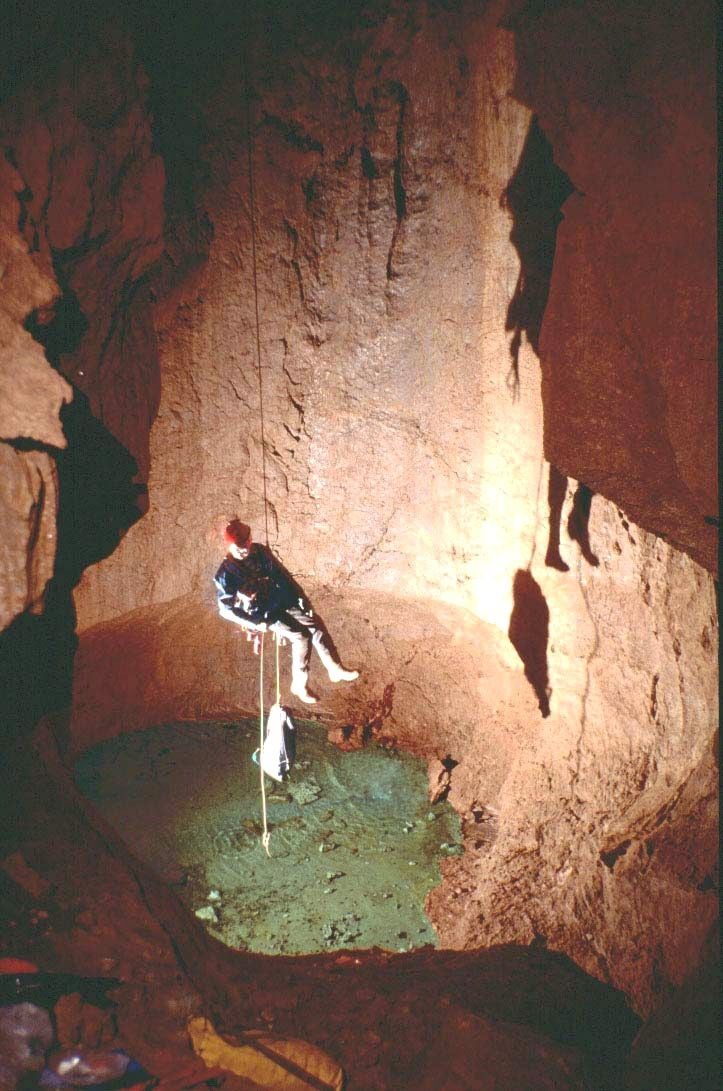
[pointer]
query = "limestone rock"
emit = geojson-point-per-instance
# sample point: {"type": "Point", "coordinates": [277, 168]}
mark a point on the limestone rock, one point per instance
{"type": "Point", "coordinates": [628, 340]}
{"type": "Point", "coordinates": [93, 211]}
{"type": "Point", "coordinates": [474, 1052]}
{"type": "Point", "coordinates": [31, 393]}
{"type": "Point", "coordinates": [29, 505]}
{"type": "Point", "coordinates": [629, 778]}
{"type": "Point", "coordinates": [520, 618]}
{"type": "Point", "coordinates": [504, 614]}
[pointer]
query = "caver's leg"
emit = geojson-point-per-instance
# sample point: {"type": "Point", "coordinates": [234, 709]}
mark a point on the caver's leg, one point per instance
{"type": "Point", "coordinates": [304, 631]}
{"type": "Point", "coordinates": [299, 636]}
{"type": "Point", "coordinates": [321, 640]}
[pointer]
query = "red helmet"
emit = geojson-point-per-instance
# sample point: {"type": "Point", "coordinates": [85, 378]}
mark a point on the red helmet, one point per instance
{"type": "Point", "coordinates": [237, 533]}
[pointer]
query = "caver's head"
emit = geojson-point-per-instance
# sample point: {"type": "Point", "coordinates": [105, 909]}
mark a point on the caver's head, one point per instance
{"type": "Point", "coordinates": [238, 539]}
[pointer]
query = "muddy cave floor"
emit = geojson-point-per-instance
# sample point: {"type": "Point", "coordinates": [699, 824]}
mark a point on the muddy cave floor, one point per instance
{"type": "Point", "coordinates": [354, 846]}
{"type": "Point", "coordinates": [385, 1016]}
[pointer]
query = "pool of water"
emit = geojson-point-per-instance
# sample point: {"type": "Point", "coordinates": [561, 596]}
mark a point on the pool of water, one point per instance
{"type": "Point", "coordinates": [355, 845]}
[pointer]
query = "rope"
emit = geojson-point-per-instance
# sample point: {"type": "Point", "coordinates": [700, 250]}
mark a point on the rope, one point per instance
{"type": "Point", "coordinates": [277, 641]}
{"type": "Point", "coordinates": [254, 266]}
{"type": "Point", "coordinates": [252, 205]}
{"type": "Point", "coordinates": [266, 836]}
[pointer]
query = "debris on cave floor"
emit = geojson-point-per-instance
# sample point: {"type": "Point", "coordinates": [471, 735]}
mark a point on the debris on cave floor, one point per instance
{"type": "Point", "coordinates": [52, 1036]}
{"type": "Point", "coordinates": [384, 1018]}
{"type": "Point", "coordinates": [186, 797]}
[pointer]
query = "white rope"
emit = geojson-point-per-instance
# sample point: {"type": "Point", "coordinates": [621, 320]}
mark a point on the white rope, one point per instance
{"type": "Point", "coordinates": [266, 836]}
{"type": "Point", "coordinates": [277, 641]}
{"type": "Point", "coordinates": [254, 270]}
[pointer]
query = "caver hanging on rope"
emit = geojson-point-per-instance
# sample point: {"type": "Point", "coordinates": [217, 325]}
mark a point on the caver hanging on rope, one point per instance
{"type": "Point", "coordinates": [254, 589]}
{"type": "Point", "coordinates": [257, 593]}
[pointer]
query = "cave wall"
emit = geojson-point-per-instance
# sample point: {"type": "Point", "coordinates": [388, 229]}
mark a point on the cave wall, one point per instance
{"type": "Point", "coordinates": [607, 843]}
{"type": "Point", "coordinates": [404, 240]}
{"type": "Point", "coordinates": [31, 398]}
{"type": "Point", "coordinates": [562, 654]}
{"type": "Point", "coordinates": [628, 347]}
{"type": "Point", "coordinates": [80, 138]}
{"type": "Point", "coordinates": [82, 219]}
{"type": "Point", "coordinates": [392, 459]}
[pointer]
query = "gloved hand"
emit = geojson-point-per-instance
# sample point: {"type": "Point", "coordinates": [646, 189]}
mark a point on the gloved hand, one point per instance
{"type": "Point", "coordinates": [254, 637]}
{"type": "Point", "coordinates": [245, 602]}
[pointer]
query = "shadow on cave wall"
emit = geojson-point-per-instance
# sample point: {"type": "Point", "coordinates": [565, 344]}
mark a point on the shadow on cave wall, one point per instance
{"type": "Point", "coordinates": [530, 618]}
{"type": "Point", "coordinates": [578, 522]}
{"type": "Point", "coordinates": [99, 499]}
{"type": "Point", "coordinates": [99, 496]}
{"type": "Point", "coordinates": [556, 490]}
{"type": "Point", "coordinates": [534, 196]}
{"type": "Point", "coordinates": [528, 632]}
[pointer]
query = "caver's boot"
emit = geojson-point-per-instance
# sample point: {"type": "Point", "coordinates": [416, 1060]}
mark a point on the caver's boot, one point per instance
{"type": "Point", "coordinates": [337, 673]}
{"type": "Point", "coordinates": [328, 656]}
{"type": "Point", "coordinates": [299, 689]}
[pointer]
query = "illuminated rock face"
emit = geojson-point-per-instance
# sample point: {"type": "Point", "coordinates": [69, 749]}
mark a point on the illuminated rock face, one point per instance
{"type": "Point", "coordinates": [81, 209]}
{"type": "Point", "coordinates": [406, 216]}
{"type": "Point", "coordinates": [31, 395]}
{"type": "Point", "coordinates": [92, 210]}
{"type": "Point", "coordinates": [629, 389]}
{"type": "Point", "coordinates": [397, 459]}
{"type": "Point", "coordinates": [558, 657]}
{"type": "Point", "coordinates": [597, 799]}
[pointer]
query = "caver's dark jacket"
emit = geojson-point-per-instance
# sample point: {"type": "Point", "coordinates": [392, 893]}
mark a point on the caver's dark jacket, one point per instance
{"type": "Point", "coordinates": [259, 575]}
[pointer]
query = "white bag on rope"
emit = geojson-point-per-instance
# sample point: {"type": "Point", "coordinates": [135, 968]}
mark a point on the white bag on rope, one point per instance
{"type": "Point", "coordinates": [276, 756]}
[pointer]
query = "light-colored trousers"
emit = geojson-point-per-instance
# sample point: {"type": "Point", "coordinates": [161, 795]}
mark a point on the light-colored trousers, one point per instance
{"type": "Point", "coordinates": [303, 631]}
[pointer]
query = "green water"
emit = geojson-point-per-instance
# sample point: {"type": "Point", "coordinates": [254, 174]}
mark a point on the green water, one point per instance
{"type": "Point", "coordinates": [355, 845]}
